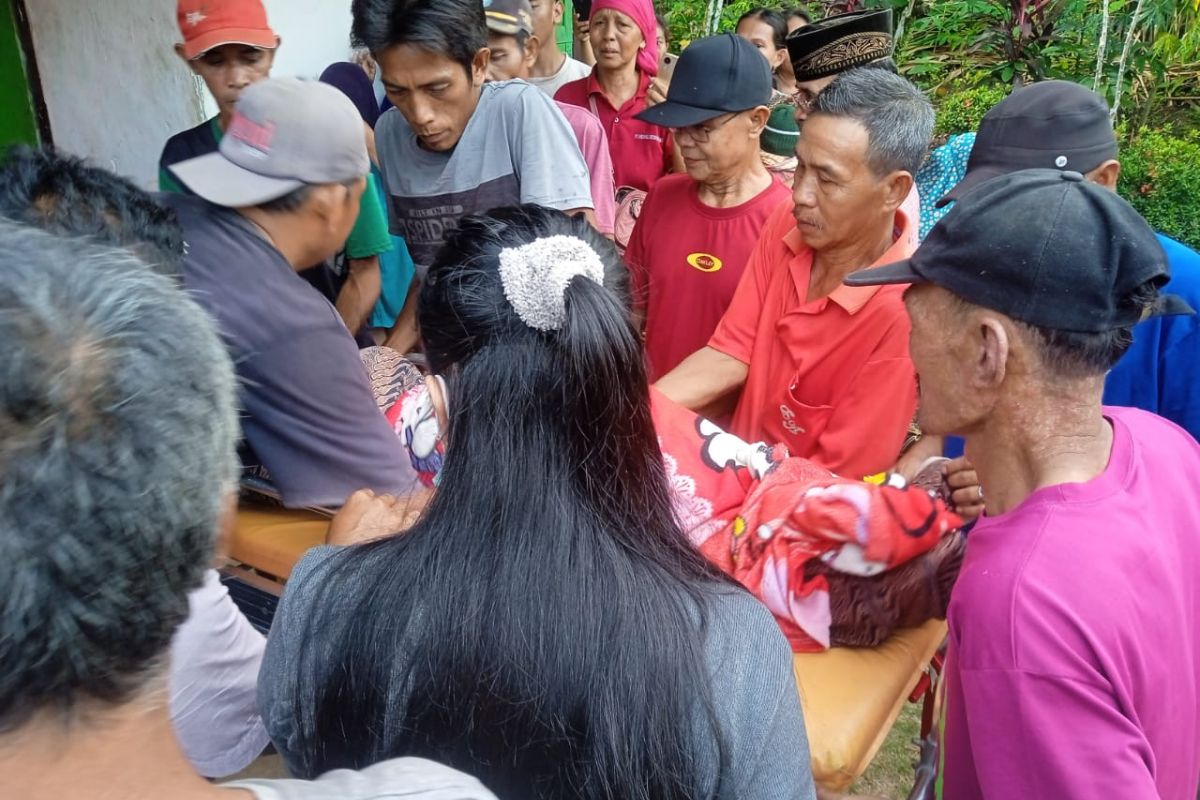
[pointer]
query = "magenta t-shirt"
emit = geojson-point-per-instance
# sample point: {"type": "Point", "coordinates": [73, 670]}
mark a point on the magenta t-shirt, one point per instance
{"type": "Point", "coordinates": [1074, 660]}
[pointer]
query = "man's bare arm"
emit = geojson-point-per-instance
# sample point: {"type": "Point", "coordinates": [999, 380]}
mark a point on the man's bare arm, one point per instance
{"type": "Point", "coordinates": [704, 378]}
{"type": "Point", "coordinates": [360, 292]}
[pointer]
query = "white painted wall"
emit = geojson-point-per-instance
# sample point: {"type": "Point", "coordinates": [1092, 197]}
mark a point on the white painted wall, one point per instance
{"type": "Point", "coordinates": [315, 34]}
{"type": "Point", "coordinates": [115, 90]}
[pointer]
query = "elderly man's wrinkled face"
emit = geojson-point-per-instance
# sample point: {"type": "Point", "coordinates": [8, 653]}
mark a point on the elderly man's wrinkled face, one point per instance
{"type": "Point", "coordinates": [839, 199]}
{"type": "Point", "coordinates": [960, 358]}
{"type": "Point", "coordinates": [722, 147]}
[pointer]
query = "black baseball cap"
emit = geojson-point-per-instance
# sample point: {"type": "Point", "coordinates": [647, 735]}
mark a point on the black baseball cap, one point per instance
{"type": "Point", "coordinates": [714, 76]}
{"type": "Point", "coordinates": [1045, 247]}
{"type": "Point", "coordinates": [1048, 125]}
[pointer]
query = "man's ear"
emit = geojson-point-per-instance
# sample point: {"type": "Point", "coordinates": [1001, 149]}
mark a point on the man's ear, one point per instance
{"type": "Point", "coordinates": [479, 66]}
{"type": "Point", "coordinates": [895, 189]}
{"type": "Point", "coordinates": [758, 120]}
{"type": "Point", "coordinates": [532, 46]}
{"type": "Point", "coordinates": [992, 362]}
{"type": "Point", "coordinates": [1106, 174]}
{"type": "Point", "coordinates": [559, 9]}
{"type": "Point", "coordinates": [324, 203]}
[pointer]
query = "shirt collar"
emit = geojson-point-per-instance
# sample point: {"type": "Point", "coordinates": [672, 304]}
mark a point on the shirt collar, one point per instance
{"type": "Point", "coordinates": [853, 298]}
{"type": "Point", "coordinates": [593, 86]}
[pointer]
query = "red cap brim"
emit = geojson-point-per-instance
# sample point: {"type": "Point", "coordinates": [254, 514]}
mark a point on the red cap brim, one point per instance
{"type": "Point", "coordinates": [262, 38]}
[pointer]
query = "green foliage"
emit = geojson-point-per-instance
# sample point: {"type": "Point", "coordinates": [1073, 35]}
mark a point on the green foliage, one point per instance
{"type": "Point", "coordinates": [960, 112]}
{"type": "Point", "coordinates": [946, 45]}
{"type": "Point", "coordinates": [1160, 176]}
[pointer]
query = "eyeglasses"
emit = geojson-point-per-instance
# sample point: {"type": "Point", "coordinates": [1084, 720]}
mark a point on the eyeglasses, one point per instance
{"type": "Point", "coordinates": [699, 133]}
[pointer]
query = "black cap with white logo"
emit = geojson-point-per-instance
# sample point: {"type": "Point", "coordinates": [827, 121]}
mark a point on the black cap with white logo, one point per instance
{"type": "Point", "coordinates": [1048, 125]}
{"type": "Point", "coordinates": [1044, 247]}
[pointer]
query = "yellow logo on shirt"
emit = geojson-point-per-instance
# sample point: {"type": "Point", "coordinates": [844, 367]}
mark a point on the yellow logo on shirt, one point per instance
{"type": "Point", "coordinates": [705, 262]}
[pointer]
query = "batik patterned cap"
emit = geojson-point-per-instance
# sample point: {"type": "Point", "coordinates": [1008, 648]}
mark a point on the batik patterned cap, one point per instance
{"type": "Point", "coordinates": [836, 44]}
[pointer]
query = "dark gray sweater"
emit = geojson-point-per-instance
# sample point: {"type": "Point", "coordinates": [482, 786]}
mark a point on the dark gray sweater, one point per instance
{"type": "Point", "coordinates": [747, 656]}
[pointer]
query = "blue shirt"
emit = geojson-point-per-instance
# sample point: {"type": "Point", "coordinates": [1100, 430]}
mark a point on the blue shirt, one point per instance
{"type": "Point", "coordinates": [1161, 370]}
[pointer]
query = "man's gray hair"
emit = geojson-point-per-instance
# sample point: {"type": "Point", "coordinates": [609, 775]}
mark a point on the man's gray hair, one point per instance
{"type": "Point", "coordinates": [117, 449]}
{"type": "Point", "coordinates": [897, 115]}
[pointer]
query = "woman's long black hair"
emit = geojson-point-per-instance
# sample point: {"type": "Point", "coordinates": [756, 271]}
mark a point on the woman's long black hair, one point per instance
{"type": "Point", "coordinates": [542, 626]}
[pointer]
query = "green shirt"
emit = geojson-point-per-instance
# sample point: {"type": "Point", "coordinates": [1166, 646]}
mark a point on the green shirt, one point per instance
{"type": "Point", "coordinates": [369, 236]}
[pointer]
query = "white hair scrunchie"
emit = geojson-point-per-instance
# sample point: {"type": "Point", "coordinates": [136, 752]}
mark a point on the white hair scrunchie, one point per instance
{"type": "Point", "coordinates": [535, 277]}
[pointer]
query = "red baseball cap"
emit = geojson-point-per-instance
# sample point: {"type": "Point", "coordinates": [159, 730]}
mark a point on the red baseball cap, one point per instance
{"type": "Point", "coordinates": [206, 24]}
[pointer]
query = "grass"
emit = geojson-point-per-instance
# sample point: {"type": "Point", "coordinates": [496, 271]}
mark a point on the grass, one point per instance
{"type": "Point", "coordinates": [891, 772]}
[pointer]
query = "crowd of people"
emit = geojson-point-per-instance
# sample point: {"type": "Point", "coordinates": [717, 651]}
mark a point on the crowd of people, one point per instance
{"type": "Point", "coordinates": [624, 379]}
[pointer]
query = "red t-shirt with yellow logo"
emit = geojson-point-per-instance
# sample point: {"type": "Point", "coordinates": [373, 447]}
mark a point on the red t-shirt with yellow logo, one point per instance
{"type": "Point", "coordinates": [685, 259]}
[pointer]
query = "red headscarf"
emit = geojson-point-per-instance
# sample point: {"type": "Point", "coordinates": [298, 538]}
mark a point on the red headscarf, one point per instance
{"type": "Point", "coordinates": [642, 13]}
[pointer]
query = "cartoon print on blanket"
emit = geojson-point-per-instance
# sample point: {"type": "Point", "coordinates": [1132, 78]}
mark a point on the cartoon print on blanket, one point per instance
{"type": "Point", "coordinates": [838, 561]}
{"type": "Point", "coordinates": [414, 420]}
{"type": "Point", "coordinates": [793, 533]}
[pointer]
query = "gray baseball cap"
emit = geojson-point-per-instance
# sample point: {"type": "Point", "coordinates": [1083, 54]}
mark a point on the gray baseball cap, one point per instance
{"type": "Point", "coordinates": [285, 133]}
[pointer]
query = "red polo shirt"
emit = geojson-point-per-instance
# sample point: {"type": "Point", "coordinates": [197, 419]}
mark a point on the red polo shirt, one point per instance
{"type": "Point", "coordinates": [830, 378]}
{"type": "Point", "coordinates": [641, 152]}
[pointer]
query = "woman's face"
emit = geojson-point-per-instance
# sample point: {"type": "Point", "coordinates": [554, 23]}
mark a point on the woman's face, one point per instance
{"type": "Point", "coordinates": [616, 39]}
{"type": "Point", "coordinates": [759, 34]}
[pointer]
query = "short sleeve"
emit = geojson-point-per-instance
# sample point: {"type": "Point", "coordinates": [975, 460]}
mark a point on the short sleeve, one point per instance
{"type": "Point", "coordinates": [547, 159]}
{"type": "Point", "coordinates": [594, 144]}
{"type": "Point", "coordinates": [636, 252]}
{"type": "Point", "coordinates": [369, 236]}
{"type": "Point", "coordinates": [738, 327]}
{"type": "Point", "coordinates": [215, 658]}
{"type": "Point", "coordinates": [167, 182]}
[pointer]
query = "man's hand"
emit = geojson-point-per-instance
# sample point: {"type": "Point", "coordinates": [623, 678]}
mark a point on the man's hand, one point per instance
{"type": "Point", "coordinates": [583, 41]}
{"type": "Point", "coordinates": [914, 458]}
{"type": "Point", "coordinates": [367, 516]}
{"type": "Point", "coordinates": [967, 497]}
{"type": "Point", "coordinates": [360, 292]}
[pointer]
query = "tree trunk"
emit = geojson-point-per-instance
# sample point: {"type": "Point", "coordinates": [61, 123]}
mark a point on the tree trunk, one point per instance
{"type": "Point", "coordinates": [898, 35]}
{"type": "Point", "coordinates": [716, 22]}
{"type": "Point", "coordinates": [1129, 36]}
{"type": "Point", "coordinates": [1102, 50]}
